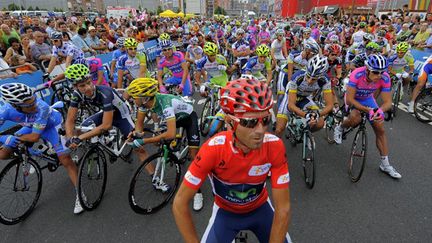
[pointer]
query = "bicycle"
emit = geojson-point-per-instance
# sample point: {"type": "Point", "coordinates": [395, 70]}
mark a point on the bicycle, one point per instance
{"type": "Point", "coordinates": [210, 108]}
{"type": "Point", "coordinates": [92, 172]}
{"type": "Point", "coordinates": [354, 172]}
{"type": "Point", "coordinates": [167, 161]}
{"type": "Point", "coordinates": [423, 104]}
{"type": "Point", "coordinates": [298, 131]}
{"type": "Point", "coordinates": [397, 89]}
{"type": "Point", "coordinates": [25, 177]}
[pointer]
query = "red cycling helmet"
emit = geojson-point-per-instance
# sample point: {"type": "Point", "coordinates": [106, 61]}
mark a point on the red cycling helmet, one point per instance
{"type": "Point", "coordinates": [335, 48]}
{"type": "Point", "coordinates": [245, 95]}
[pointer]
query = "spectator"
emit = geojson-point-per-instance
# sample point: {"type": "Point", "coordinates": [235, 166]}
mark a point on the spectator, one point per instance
{"type": "Point", "coordinates": [25, 43]}
{"type": "Point", "coordinates": [14, 49]}
{"type": "Point", "coordinates": [6, 34]}
{"type": "Point", "coordinates": [104, 40]}
{"type": "Point", "coordinates": [404, 33]}
{"type": "Point", "coordinates": [40, 50]}
{"type": "Point", "coordinates": [25, 25]}
{"type": "Point", "coordinates": [67, 38]}
{"type": "Point", "coordinates": [79, 41]}
{"type": "Point", "coordinates": [5, 72]}
{"type": "Point", "coordinates": [422, 35]}
{"type": "Point", "coordinates": [19, 61]}
{"type": "Point", "coordinates": [111, 36]}
{"type": "Point", "coordinates": [72, 29]}
{"type": "Point", "coordinates": [415, 20]}
{"type": "Point", "coordinates": [94, 42]}
{"type": "Point", "coordinates": [413, 34]}
{"type": "Point", "coordinates": [36, 25]}
{"type": "Point", "coordinates": [50, 28]}
{"type": "Point", "coordinates": [428, 43]}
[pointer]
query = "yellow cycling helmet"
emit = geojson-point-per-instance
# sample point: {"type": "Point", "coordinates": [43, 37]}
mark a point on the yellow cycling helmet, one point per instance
{"type": "Point", "coordinates": [130, 42]}
{"type": "Point", "coordinates": [164, 36]}
{"type": "Point", "coordinates": [262, 50]}
{"type": "Point", "coordinates": [143, 87]}
{"type": "Point", "coordinates": [210, 48]}
{"type": "Point", "coordinates": [402, 47]}
{"type": "Point", "coordinates": [77, 73]}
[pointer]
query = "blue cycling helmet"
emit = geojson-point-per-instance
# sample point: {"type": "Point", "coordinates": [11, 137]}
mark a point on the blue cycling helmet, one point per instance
{"type": "Point", "coordinates": [376, 62]}
{"type": "Point", "coordinates": [165, 44]}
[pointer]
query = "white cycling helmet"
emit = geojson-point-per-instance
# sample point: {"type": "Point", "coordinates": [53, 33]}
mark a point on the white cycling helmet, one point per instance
{"type": "Point", "coordinates": [317, 66]}
{"type": "Point", "coordinates": [334, 38]}
{"type": "Point", "coordinates": [16, 93]}
{"type": "Point", "coordinates": [240, 31]}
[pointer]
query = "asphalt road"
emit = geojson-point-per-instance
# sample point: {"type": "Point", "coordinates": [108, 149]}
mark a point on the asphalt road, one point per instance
{"type": "Point", "coordinates": [376, 209]}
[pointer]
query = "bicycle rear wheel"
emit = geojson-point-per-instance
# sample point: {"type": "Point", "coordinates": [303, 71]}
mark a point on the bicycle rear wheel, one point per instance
{"type": "Point", "coordinates": [92, 177]}
{"type": "Point", "coordinates": [309, 159]}
{"type": "Point", "coordinates": [423, 105]}
{"type": "Point", "coordinates": [20, 189]}
{"type": "Point", "coordinates": [204, 120]}
{"type": "Point", "coordinates": [144, 198]}
{"type": "Point", "coordinates": [357, 160]}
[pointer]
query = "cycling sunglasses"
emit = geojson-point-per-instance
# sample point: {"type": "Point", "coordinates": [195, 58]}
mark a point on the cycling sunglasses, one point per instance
{"type": "Point", "coordinates": [253, 122]}
{"type": "Point", "coordinates": [377, 72]}
{"type": "Point", "coordinates": [132, 48]}
{"type": "Point", "coordinates": [27, 105]}
{"type": "Point", "coordinates": [167, 49]}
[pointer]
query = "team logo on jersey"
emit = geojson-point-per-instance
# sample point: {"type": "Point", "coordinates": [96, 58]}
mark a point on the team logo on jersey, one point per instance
{"type": "Point", "coordinates": [192, 179]}
{"type": "Point", "coordinates": [283, 179]}
{"type": "Point", "coordinates": [218, 140]}
{"type": "Point", "coordinates": [270, 138]}
{"type": "Point", "coordinates": [258, 170]}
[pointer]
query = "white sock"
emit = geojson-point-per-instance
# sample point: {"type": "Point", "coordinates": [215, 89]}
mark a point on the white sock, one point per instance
{"type": "Point", "coordinates": [385, 161]}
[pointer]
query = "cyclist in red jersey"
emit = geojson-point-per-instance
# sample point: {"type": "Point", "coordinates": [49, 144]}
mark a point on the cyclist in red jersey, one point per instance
{"type": "Point", "coordinates": [237, 162]}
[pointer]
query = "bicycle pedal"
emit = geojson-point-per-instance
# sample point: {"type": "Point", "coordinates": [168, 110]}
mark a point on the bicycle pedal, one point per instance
{"type": "Point", "coordinates": [52, 167]}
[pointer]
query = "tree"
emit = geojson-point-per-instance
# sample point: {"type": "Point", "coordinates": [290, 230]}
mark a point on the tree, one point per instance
{"type": "Point", "coordinates": [22, 7]}
{"type": "Point", "coordinates": [159, 10]}
{"type": "Point", "coordinates": [37, 8]}
{"type": "Point", "coordinates": [4, 9]}
{"type": "Point", "coordinates": [13, 7]}
{"type": "Point", "coordinates": [30, 8]}
{"type": "Point", "coordinates": [220, 10]}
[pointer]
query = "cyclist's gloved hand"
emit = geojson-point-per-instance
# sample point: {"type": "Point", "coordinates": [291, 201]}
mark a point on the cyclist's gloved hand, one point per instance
{"type": "Point", "coordinates": [202, 89]}
{"type": "Point", "coordinates": [398, 75]}
{"type": "Point", "coordinates": [379, 114]}
{"type": "Point", "coordinates": [222, 67]}
{"type": "Point", "coordinates": [137, 134]}
{"type": "Point", "coordinates": [405, 75]}
{"type": "Point", "coordinates": [9, 140]}
{"type": "Point", "coordinates": [312, 115]}
{"type": "Point", "coordinates": [73, 140]}
{"type": "Point", "coordinates": [138, 143]}
{"type": "Point", "coordinates": [162, 89]}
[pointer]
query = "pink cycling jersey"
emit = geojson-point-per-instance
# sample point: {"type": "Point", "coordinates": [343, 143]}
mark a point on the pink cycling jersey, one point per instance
{"type": "Point", "coordinates": [366, 89]}
{"type": "Point", "coordinates": [174, 65]}
{"type": "Point", "coordinates": [95, 65]}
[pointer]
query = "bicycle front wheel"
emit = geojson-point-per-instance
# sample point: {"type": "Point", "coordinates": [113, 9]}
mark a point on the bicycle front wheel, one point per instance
{"type": "Point", "coordinates": [92, 177]}
{"type": "Point", "coordinates": [146, 193]}
{"type": "Point", "coordinates": [396, 98]}
{"type": "Point", "coordinates": [423, 105]}
{"type": "Point", "coordinates": [309, 159]}
{"type": "Point", "coordinates": [358, 155]}
{"type": "Point", "coordinates": [20, 188]}
{"type": "Point", "coordinates": [204, 120]}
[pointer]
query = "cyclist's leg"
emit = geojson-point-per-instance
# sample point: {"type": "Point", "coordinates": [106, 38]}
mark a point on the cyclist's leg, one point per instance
{"type": "Point", "coordinates": [223, 226]}
{"type": "Point", "coordinates": [95, 119]}
{"type": "Point", "coordinates": [188, 88]}
{"type": "Point", "coordinates": [190, 124]}
{"type": "Point", "coordinates": [262, 221]}
{"type": "Point", "coordinates": [282, 116]}
{"type": "Point", "coordinates": [51, 135]}
{"type": "Point", "coordinates": [216, 124]}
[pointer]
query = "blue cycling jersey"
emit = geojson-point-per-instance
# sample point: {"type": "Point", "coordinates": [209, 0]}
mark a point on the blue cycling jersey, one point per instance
{"type": "Point", "coordinates": [45, 121]}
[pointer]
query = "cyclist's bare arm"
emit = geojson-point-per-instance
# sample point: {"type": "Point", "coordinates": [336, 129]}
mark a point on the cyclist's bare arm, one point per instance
{"type": "Point", "coordinates": [159, 77]}
{"type": "Point", "coordinates": [290, 71]}
{"type": "Point", "coordinates": [386, 101]}
{"type": "Point", "coordinates": [329, 100]}
{"type": "Point", "coordinates": [185, 68]}
{"type": "Point", "coordinates": [142, 71]}
{"type": "Point", "coordinates": [120, 79]}
{"type": "Point", "coordinates": [52, 64]}
{"type": "Point", "coordinates": [100, 77]}
{"type": "Point", "coordinates": [106, 125]}
{"type": "Point", "coordinates": [182, 214]}
{"type": "Point", "coordinates": [282, 214]}
{"type": "Point", "coordinates": [269, 76]}
{"type": "Point", "coordinates": [70, 121]}
{"type": "Point", "coordinates": [292, 98]}
{"type": "Point", "coordinates": [168, 135]}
